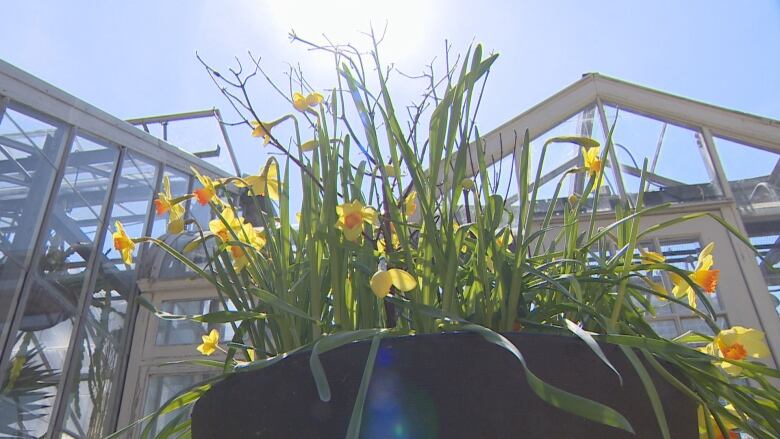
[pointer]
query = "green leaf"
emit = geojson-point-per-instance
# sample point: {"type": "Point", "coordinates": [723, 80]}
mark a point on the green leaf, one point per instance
{"type": "Point", "coordinates": [327, 343]}
{"type": "Point", "coordinates": [559, 398]}
{"type": "Point", "coordinates": [652, 392]}
{"type": "Point", "coordinates": [228, 316]}
{"type": "Point", "coordinates": [353, 430]}
{"type": "Point", "coordinates": [591, 342]}
{"type": "Point", "coordinates": [280, 304]}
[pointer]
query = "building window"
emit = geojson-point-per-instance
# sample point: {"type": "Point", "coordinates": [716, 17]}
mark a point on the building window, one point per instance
{"type": "Point", "coordinates": [672, 319]}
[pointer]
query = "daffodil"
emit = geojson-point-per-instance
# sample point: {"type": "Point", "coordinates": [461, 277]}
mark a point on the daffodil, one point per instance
{"type": "Point", "coordinates": [738, 343]}
{"type": "Point", "coordinates": [381, 242]}
{"type": "Point", "coordinates": [592, 159]}
{"type": "Point", "coordinates": [229, 221]}
{"type": "Point", "coordinates": [468, 184]}
{"type": "Point", "coordinates": [500, 238]}
{"type": "Point", "coordinates": [302, 103]}
{"type": "Point", "coordinates": [717, 434]}
{"type": "Point", "coordinates": [261, 130]}
{"type": "Point", "coordinates": [208, 190]}
{"type": "Point", "coordinates": [166, 203]}
{"type": "Point", "coordinates": [351, 218]}
{"type": "Point", "coordinates": [311, 145]}
{"type": "Point", "coordinates": [383, 280]}
{"type": "Point", "coordinates": [702, 276]}
{"type": "Point", "coordinates": [123, 243]}
{"type": "Point", "coordinates": [254, 237]}
{"type": "Point", "coordinates": [210, 342]}
{"type": "Point", "coordinates": [265, 184]}
{"type": "Point", "coordinates": [410, 203]}
{"type": "Point", "coordinates": [650, 257]}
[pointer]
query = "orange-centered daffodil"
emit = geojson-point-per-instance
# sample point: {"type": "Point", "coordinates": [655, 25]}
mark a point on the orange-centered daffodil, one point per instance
{"type": "Point", "coordinates": [165, 203]}
{"type": "Point", "coordinates": [592, 159]}
{"type": "Point", "coordinates": [267, 183]}
{"type": "Point", "coordinates": [123, 243]}
{"type": "Point", "coordinates": [383, 280]}
{"type": "Point", "coordinates": [351, 218]}
{"type": "Point", "coordinates": [208, 190]}
{"type": "Point", "coordinates": [738, 343]}
{"type": "Point", "coordinates": [702, 276]}
{"type": "Point", "coordinates": [210, 342]}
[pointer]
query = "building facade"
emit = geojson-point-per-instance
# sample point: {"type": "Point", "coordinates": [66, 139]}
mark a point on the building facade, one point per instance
{"type": "Point", "coordinates": [79, 357]}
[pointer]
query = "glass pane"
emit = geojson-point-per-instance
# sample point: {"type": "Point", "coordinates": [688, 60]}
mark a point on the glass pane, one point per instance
{"type": "Point", "coordinates": [50, 311]}
{"type": "Point", "coordinates": [26, 398]}
{"type": "Point", "coordinates": [89, 408]}
{"type": "Point", "coordinates": [163, 387]}
{"type": "Point", "coordinates": [101, 343]}
{"type": "Point", "coordinates": [29, 147]}
{"type": "Point", "coordinates": [665, 328]}
{"type": "Point", "coordinates": [765, 235]}
{"type": "Point", "coordinates": [698, 325]}
{"type": "Point", "coordinates": [753, 174]}
{"type": "Point", "coordinates": [678, 166]}
{"type": "Point", "coordinates": [561, 157]}
{"type": "Point", "coordinates": [187, 332]}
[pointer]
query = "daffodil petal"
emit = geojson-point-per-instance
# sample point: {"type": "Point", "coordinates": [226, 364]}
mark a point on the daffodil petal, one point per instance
{"type": "Point", "coordinates": [380, 283]}
{"type": "Point", "coordinates": [402, 280]}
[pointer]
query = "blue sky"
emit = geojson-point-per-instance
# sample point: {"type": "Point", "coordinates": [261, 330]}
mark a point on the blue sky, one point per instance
{"type": "Point", "coordinates": [138, 58]}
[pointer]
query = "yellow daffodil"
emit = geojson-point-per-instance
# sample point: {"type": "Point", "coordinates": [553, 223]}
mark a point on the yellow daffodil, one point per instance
{"type": "Point", "coordinates": [381, 243]}
{"type": "Point", "coordinates": [311, 145]}
{"type": "Point", "coordinates": [265, 184]}
{"type": "Point", "coordinates": [165, 203]}
{"type": "Point", "coordinates": [208, 190]}
{"type": "Point", "coordinates": [210, 342]}
{"type": "Point", "coordinates": [302, 103]}
{"type": "Point", "coordinates": [123, 243]}
{"type": "Point", "coordinates": [313, 99]}
{"type": "Point", "coordinates": [351, 218]}
{"type": "Point", "coordinates": [500, 238]}
{"type": "Point", "coordinates": [592, 158]}
{"type": "Point", "coordinates": [650, 257]}
{"type": "Point", "coordinates": [382, 280]}
{"type": "Point", "coordinates": [255, 237]}
{"type": "Point", "coordinates": [410, 203]}
{"type": "Point", "coordinates": [717, 434]}
{"type": "Point", "coordinates": [468, 184]}
{"type": "Point", "coordinates": [738, 343]}
{"type": "Point", "coordinates": [702, 276]}
{"type": "Point", "coordinates": [261, 130]}
{"type": "Point", "coordinates": [229, 220]}
{"type": "Point", "coordinates": [251, 354]}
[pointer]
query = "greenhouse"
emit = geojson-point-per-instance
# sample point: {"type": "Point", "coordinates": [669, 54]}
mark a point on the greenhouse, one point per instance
{"type": "Point", "coordinates": [80, 357]}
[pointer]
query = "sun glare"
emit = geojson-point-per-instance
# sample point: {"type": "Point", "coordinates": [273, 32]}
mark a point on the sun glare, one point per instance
{"type": "Point", "coordinates": [408, 22]}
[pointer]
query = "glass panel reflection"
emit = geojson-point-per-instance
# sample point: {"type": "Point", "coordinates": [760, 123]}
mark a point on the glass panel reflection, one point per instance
{"type": "Point", "coordinates": [50, 310]}
{"type": "Point", "coordinates": [187, 332]}
{"type": "Point", "coordinates": [163, 387]}
{"type": "Point", "coordinates": [29, 146]}
{"type": "Point", "coordinates": [678, 165]}
{"type": "Point", "coordinates": [101, 342]}
{"type": "Point", "coordinates": [89, 407]}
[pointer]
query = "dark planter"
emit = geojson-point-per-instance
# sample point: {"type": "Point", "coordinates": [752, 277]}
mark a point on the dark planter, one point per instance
{"type": "Point", "coordinates": [454, 385]}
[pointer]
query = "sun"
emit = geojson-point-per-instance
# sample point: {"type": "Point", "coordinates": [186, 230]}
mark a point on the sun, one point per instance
{"type": "Point", "coordinates": [407, 22]}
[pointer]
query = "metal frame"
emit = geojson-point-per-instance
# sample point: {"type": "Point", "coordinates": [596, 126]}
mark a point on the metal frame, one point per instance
{"type": "Point", "coordinates": [165, 119]}
{"type": "Point", "coordinates": [19, 89]}
{"type": "Point", "coordinates": [709, 121]}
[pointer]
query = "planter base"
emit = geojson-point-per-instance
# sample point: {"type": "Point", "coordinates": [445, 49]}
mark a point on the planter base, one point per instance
{"type": "Point", "coordinates": [454, 385]}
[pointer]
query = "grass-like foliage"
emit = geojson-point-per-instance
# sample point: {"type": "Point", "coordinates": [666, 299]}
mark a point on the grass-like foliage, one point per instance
{"type": "Point", "coordinates": [402, 229]}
